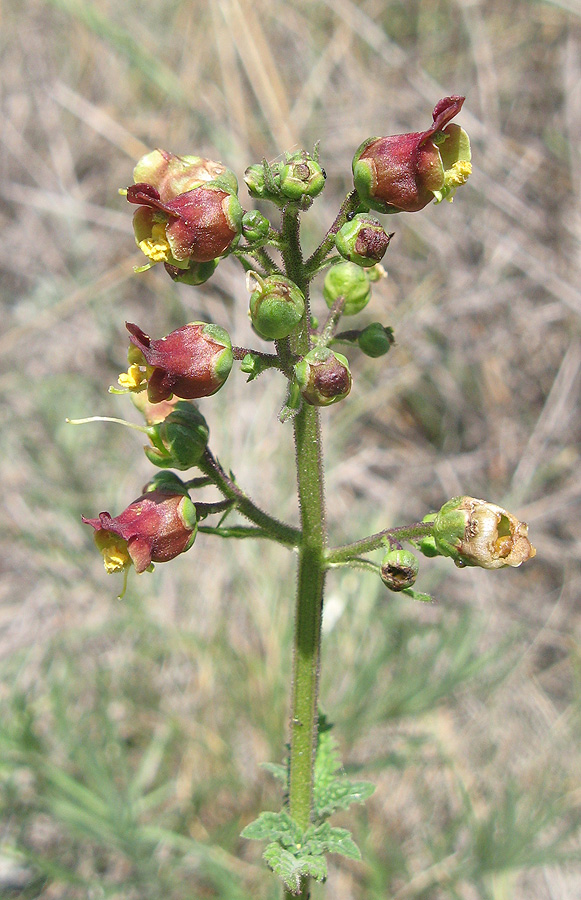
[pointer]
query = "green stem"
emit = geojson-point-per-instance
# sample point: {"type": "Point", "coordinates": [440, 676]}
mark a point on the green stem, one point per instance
{"type": "Point", "coordinates": [284, 534]}
{"type": "Point", "coordinates": [350, 205]}
{"type": "Point", "coordinates": [381, 539]}
{"type": "Point", "coordinates": [307, 641]}
{"type": "Point", "coordinates": [311, 567]}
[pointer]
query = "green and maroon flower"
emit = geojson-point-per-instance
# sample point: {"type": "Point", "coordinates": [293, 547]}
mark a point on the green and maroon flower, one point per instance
{"type": "Point", "coordinates": [193, 361]}
{"type": "Point", "coordinates": [155, 528]}
{"type": "Point", "coordinates": [188, 211]}
{"type": "Point", "coordinates": [404, 172]}
{"type": "Point", "coordinates": [323, 377]}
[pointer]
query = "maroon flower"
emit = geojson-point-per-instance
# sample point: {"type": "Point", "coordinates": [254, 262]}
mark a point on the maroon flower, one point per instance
{"type": "Point", "coordinates": [198, 225]}
{"type": "Point", "coordinates": [404, 172]}
{"type": "Point", "coordinates": [156, 527]}
{"type": "Point", "coordinates": [193, 361]}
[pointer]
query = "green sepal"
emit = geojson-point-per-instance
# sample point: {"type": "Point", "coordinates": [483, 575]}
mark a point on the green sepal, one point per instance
{"type": "Point", "coordinates": [180, 440]}
{"type": "Point", "coordinates": [166, 481]}
{"type": "Point", "coordinates": [254, 365]}
{"type": "Point", "coordinates": [255, 226]}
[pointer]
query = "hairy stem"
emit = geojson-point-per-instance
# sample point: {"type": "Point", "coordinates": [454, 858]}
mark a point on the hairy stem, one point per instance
{"type": "Point", "coordinates": [284, 534]}
{"type": "Point", "coordinates": [380, 539]}
{"type": "Point", "coordinates": [307, 641]}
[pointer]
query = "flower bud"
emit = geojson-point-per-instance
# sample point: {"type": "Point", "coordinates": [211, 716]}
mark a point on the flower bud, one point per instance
{"type": "Point", "coordinates": [301, 177]}
{"type": "Point", "coordinates": [255, 226]}
{"type": "Point", "coordinates": [156, 527]}
{"type": "Point", "coordinates": [173, 175]}
{"type": "Point", "coordinates": [323, 377]}
{"type": "Point", "coordinates": [404, 172]}
{"type": "Point", "coordinates": [180, 440]}
{"type": "Point", "coordinates": [363, 240]}
{"type": "Point", "coordinates": [153, 413]}
{"type": "Point", "coordinates": [193, 361]}
{"type": "Point", "coordinates": [350, 281]}
{"type": "Point", "coordinates": [277, 306]}
{"type": "Point", "coordinates": [399, 569]}
{"type": "Point", "coordinates": [375, 340]}
{"type": "Point", "coordinates": [477, 533]}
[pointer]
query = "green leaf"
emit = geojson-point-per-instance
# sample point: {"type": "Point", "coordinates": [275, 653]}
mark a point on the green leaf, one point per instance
{"type": "Point", "coordinates": [292, 868]}
{"type": "Point", "coordinates": [271, 826]}
{"type": "Point", "coordinates": [334, 791]}
{"type": "Point", "coordinates": [277, 771]}
{"type": "Point", "coordinates": [326, 839]}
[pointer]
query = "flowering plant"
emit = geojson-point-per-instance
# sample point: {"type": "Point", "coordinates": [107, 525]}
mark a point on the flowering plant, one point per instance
{"type": "Point", "coordinates": [189, 217]}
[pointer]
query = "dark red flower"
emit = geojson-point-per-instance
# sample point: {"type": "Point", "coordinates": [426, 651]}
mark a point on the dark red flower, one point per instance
{"type": "Point", "coordinates": [404, 172]}
{"type": "Point", "coordinates": [198, 225]}
{"type": "Point", "coordinates": [156, 527]}
{"type": "Point", "coordinates": [193, 361]}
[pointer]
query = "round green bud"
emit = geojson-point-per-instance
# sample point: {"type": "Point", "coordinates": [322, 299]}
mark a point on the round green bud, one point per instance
{"type": "Point", "coordinates": [399, 569]}
{"type": "Point", "coordinates": [180, 440]}
{"type": "Point", "coordinates": [323, 377]}
{"type": "Point", "coordinates": [255, 226]}
{"type": "Point", "coordinates": [363, 240]}
{"type": "Point", "coordinates": [375, 340]}
{"type": "Point", "coordinates": [277, 306]}
{"type": "Point", "coordinates": [350, 281]}
{"type": "Point", "coordinates": [301, 177]}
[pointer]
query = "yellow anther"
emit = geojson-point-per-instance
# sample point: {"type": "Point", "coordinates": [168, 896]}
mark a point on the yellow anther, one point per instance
{"type": "Point", "coordinates": [116, 557]}
{"type": "Point", "coordinates": [133, 380]}
{"type": "Point", "coordinates": [459, 173]}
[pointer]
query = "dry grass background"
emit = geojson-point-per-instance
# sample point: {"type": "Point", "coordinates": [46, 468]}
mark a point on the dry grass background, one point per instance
{"type": "Point", "coordinates": [121, 720]}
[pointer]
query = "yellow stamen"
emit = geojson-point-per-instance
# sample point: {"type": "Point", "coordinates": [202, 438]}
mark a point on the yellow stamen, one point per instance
{"type": "Point", "coordinates": [133, 380]}
{"type": "Point", "coordinates": [458, 174]}
{"type": "Point", "coordinates": [156, 247]}
{"type": "Point", "coordinates": [113, 550]}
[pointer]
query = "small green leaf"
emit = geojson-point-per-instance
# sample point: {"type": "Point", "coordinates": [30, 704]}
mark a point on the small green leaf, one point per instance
{"type": "Point", "coordinates": [271, 826]}
{"type": "Point", "coordinates": [334, 791]}
{"type": "Point", "coordinates": [418, 595]}
{"type": "Point", "coordinates": [292, 868]}
{"type": "Point", "coordinates": [277, 771]}
{"type": "Point", "coordinates": [333, 840]}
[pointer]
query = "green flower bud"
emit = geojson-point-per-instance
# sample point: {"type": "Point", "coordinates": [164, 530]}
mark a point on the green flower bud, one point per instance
{"type": "Point", "coordinates": [323, 377]}
{"type": "Point", "coordinates": [477, 533]}
{"type": "Point", "coordinates": [350, 281]}
{"type": "Point", "coordinates": [180, 440]}
{"type": "Point", "coordinates": [277, 306]}
{"type": "Point", "coordinates": [363, 240]}
{"type": "Point", "coordinates": [301, 177]}
{"type": "Point", "coordinates": [399, 569]}
{"type": "Point", "coordinates": [263, 182]}
{"type": "Point", "coordinates": [375, 340]}
{"type": "Point", "coordinates": [255, 226]}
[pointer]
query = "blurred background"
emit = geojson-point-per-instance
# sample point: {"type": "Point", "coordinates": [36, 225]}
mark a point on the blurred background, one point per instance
{"type": "Point", "coordinates": [132, 732]}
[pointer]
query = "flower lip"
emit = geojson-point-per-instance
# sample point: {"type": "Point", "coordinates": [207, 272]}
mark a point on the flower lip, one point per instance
{"type": "Point", "coordinates": [444, 111]}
